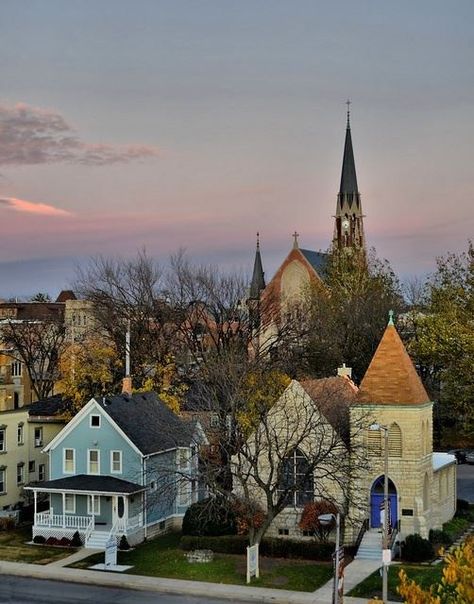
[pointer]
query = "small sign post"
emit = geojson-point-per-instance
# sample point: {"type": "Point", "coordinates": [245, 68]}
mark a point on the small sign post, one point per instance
{"type": "Point", "coordinates": [252, 562]}
{"type": "Point", "coordinates": [110, 553]}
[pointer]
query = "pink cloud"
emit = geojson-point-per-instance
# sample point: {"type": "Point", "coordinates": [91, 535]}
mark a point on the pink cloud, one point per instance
{"type": "Point", "coordinates": [32, 136]}
{"type": "Point", "coordinates": [33, 207]}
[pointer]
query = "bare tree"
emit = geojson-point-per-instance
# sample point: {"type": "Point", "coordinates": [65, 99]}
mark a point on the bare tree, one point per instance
{"type": "Point", "coordinates": [128, 293]}
{"type": "Point", "coordinates": [38, 344]}
{"type": "Point", "coordinates": [287, 454]}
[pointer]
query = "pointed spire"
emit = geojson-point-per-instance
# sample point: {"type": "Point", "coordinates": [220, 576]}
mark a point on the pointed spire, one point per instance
{"type": "Point", "coordinates": [348, 175]}
{"type": "Point", "coordinates": [391, 378]}
{"type": "Point", "coordinates": [258, 277]}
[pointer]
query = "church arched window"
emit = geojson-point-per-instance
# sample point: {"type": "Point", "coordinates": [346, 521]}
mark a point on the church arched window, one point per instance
{"type": "Point", "coordinates": [296, 479]}
{"type": "Point", "coordinates": [394, 441]}
{"type": "Point", "coordinates": [374, 442]}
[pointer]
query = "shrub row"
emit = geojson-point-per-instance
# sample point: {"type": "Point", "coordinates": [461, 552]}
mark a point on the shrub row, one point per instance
{"type": "Point", "coordinates": [63, 541]}
{"type": "Point", "coordinates": [272, 547]}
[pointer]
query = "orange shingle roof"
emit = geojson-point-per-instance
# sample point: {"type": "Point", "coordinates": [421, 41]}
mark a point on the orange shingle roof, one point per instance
{"type": "Point", "coordinates": [391, 378]}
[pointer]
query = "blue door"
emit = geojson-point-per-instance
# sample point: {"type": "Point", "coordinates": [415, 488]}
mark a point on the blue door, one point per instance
{"type": "Point", "coordinates": [376, 503]}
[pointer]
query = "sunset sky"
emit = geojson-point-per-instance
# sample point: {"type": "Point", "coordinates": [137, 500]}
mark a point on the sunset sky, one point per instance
{"type": "Point", "coordinates": [168, 124]}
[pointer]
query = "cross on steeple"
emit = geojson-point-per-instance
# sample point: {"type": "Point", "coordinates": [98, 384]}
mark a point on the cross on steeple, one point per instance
{"type": "Point", "coordinates": [295, 242]}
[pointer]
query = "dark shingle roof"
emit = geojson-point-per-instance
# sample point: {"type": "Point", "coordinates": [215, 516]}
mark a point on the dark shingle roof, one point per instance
{"type": "Point", "coordinates": [53, 405]}
{"type": "Point", "coordinates": [348, 174]}
{"type": "Point", "coordinates": [86, 482]}
{"type": "Point", "coordinates": [147, 422]}
{"type": "Point", "coordinates": [318, 260]}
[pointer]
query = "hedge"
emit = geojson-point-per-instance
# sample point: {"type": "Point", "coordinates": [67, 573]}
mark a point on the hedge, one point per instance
{"type": "Point", "coordinates": [272, 547]}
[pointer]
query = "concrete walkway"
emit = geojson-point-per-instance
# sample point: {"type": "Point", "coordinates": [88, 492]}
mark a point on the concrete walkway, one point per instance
{"type": "Point", "coordinates": [237, 593]}
{"type": "Point", "coordinates": [79, 555]}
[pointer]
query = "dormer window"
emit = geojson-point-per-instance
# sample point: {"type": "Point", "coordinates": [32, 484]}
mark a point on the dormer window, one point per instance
{"type": "Point", "coordinates": [95, 421]}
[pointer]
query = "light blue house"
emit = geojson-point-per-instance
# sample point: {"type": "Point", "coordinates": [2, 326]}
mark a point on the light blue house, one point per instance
{"type": "Point", "coordinates": [124, 465]}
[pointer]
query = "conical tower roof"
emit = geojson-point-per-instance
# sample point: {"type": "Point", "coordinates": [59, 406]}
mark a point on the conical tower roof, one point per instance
{"type": "Point", "coordinates": [258, 277]}
{"type": "Point", "coordinates": [348, 174]}
{"type": "Point", "coordinates": [391, 378]}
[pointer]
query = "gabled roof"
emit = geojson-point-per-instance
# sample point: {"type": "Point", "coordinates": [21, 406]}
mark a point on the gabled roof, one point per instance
{"type": "Point", "coordinates": [318, 260]}
{"type": "Point", "coordinates": [391, 378]}
{"type": "Point", "coordinates": [148, 423]}
{"type": "Point", "coordinates": [333, 396]}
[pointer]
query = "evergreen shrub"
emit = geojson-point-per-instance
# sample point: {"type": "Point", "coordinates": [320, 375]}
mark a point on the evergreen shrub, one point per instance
{"type": "Point", "coordinates": [124, 544]}
{"type": "Point", "coordinates": [209, 517]}
{"type": "Point", "coordinates": [417, 549]}
{"type": "Point", "coordinates": [76, 540]}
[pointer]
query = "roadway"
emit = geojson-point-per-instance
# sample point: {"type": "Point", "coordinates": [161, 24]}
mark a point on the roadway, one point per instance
{"type": "Point", "coordinates": [21, 590]}
{"type": "Point", "coordinates": [465, 482]}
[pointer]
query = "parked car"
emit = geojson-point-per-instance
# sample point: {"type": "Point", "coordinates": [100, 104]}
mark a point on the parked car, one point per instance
{"type": "Point", "coordinates": [470, 457]}
{"type": "Point", "coordinates": [460, 455]}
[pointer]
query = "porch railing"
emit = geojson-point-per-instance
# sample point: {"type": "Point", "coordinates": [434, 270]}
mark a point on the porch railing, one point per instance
{"type": "Point", "coordinates": [62, 520]}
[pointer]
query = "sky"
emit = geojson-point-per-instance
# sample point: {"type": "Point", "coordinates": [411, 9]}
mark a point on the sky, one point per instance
{"type": "Point", "coordinates": [169, 124]}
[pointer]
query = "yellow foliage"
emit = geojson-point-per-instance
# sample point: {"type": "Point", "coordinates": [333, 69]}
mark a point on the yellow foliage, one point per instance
{"type": "Point", "coordinates": [164, 380]}
{"type": "Point", "coordinates": [457, 584]}
{"type": "Point", "coordinates": [86, 370]}
{"type": "Point", "coordinates": [260, 390]}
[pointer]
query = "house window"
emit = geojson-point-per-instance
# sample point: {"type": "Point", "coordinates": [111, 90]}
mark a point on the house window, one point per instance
{"type": "Point", "coordinates": [296, 479]}
{"type": "Point", "coordinates": [69, 461]}
{"type": "Point", "coordinates": [20, 434]}
{"type": "Point", "coordinates": [284, 532]}
{"type": "Point", "coordinates": [69, 503]}
{"type": "Point", "coordinates": [16, 400]}
{"type": "Point", "coordinates": [31, 467]}
{"type": "Point", "coordinates": [93, 466]}
{"type": "Point", "coordinates": [95, 421]}
{"type": "Point", "coordinates": [3, 483]}
{"type": "Point", "coordinates": [41, 471]}
{"type": "Point", "coordinates": [38, 437]}
{"type": "Point", "coordinates": [184, 494]}
{"type": "Point", "coordinates": [20, 473]}
{"type": "Point", "coordinates": [3, 440]}
{"type": "Point", "coordinates": [16, 369]}
{"type": "Point", "coordinates": [116, 462]}
{"type": "Point", "coordinates": [93, 505]}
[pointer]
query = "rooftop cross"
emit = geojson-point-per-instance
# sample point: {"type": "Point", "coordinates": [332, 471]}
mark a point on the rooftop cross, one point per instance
{"type": "Point", "coordinates": [295, 242]}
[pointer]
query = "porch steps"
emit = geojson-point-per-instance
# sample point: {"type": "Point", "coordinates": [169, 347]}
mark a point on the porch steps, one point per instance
{"type": "Point", "coordinates": [370, 547]}
{"type": "Point", "coordinates": [97, 540]}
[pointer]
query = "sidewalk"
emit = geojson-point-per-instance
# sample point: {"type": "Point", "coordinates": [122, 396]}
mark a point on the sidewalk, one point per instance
{"type": "Point", "coordinates": [237, 593]}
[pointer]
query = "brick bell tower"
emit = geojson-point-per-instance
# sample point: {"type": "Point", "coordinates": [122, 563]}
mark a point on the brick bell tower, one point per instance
{"type": "Point", "coordinates": [349, 223]}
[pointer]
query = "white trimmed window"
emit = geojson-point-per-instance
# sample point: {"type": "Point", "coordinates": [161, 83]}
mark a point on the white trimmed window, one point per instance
{"type": "Point", "coordinates": [3, 440]}
{"type": "Point", "coordinates": [20, 473]}
{"type": "Point", "coordinates": [93, 505]}
{"type": "Point", "coordinates": [38, 437]}
{"type": "Point", "coordinates": [69, 503]}
{"type": "Point", "coordinates": [3, 480]}
{"type": "Point", "coordinates": [69, 461]}
{"type": "Point", "coordinates": [20, 434]}
{"type": "Point", "coordinates": [116, 462]}
{"type": "Point", "coordinates": [93, 461]}
{"type": "Point", "coordinates": [16, 369]}
{"type": "Point", "coordinates": [41, 471]}
{"type": "Point", "coordinates": [94, 421]}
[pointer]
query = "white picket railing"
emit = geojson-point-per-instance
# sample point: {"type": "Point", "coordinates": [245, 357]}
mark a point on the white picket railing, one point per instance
{"type": "Point", "coordinates": [89, 530]}
{"type": "Point", "coordinates": [62, 520]}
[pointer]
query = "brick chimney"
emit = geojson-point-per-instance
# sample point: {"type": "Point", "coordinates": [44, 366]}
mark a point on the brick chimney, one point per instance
{"type": "Point", "coordinates": [127, 385]}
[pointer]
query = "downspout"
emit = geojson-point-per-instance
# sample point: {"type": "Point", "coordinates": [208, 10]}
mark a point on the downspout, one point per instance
{"type": "Point", "coordinates": [145, 519]}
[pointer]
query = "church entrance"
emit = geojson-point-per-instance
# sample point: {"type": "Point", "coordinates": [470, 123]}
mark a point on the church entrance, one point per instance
{"type": "Point", "coordinates": [377, 503]}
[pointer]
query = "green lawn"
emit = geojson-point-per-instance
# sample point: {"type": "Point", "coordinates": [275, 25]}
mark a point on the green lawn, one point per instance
{"type": "Point", "coordinates": [14, 548]}
{"type": "Point", "coordinates": [372, 585]}
{"type": "Point", "coordinates": [162, 557]}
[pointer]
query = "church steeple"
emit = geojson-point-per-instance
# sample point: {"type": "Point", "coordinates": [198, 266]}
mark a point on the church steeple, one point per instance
{"type": "Point", "coordinates": [258, 278]}
{"type": "Point", "coordinates": [348, 227]}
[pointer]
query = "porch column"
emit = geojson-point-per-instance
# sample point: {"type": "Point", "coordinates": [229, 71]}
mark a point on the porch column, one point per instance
{"type": "Point", "coordinates": [64, 508]}
{"type": "Point", "coordinates": [35, 499]}
{"type": "Point", "coordinates": [92, 510]}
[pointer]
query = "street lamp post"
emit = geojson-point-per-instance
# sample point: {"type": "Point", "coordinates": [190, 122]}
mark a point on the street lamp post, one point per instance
{"type": "Point", "coordinates": [385, 561]}
{"type": "Point", "coordinates": [326, 519]}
